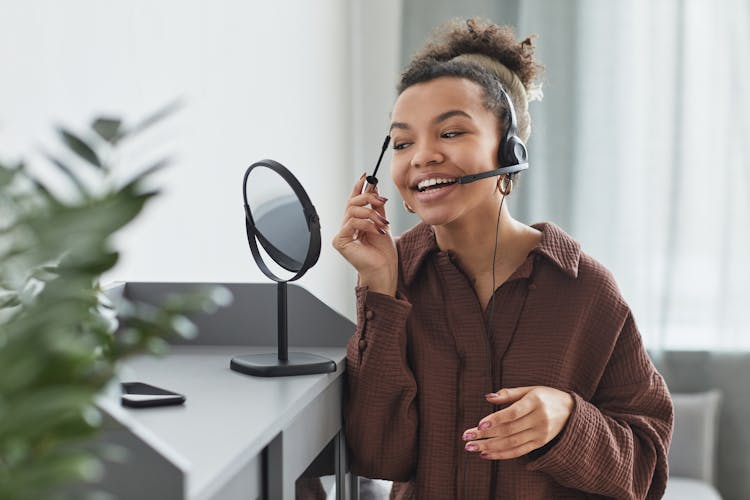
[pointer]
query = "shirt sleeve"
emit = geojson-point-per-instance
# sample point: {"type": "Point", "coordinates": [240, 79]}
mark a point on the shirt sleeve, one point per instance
{"type": "Point", "coordinates": [380, 411]}
{"type": "Point", "coordinates": [616, 445]}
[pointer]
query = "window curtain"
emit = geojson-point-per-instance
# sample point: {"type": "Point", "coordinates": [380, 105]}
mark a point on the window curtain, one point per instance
{"type": "Point", "coordinates": [640, 150]}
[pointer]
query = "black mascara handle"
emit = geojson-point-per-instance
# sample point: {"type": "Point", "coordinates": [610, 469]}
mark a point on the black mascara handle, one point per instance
{"type": "Point", "coordinates": [380, 158]}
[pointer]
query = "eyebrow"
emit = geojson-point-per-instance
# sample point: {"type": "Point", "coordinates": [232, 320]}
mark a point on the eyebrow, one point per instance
{"type": "Point", "coordinates": [439, 118]}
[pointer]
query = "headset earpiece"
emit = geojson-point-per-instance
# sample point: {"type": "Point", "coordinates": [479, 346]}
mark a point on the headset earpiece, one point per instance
{"type": "Point", "coordinates": [512, 150]}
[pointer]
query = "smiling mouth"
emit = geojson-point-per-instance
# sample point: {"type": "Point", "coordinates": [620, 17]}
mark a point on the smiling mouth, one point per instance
{"type": "Point", "coordinates": [437, 183]}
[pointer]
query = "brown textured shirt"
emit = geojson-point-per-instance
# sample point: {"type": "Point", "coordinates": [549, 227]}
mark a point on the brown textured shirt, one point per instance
{"type": "Point", "coordinates": [420, 364]}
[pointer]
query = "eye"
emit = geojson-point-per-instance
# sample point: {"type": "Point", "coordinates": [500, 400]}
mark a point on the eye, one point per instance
{"type": "Point", "coordinates": [451, 135]}
{"type": "Point", "coordinates": [400, 145]}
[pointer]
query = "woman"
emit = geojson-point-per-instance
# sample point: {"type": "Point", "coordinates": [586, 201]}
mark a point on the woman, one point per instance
{"type": "Point", "coordinates": [491, 359]}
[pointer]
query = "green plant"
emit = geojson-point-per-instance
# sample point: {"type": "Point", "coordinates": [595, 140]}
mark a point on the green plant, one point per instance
{"type": "Point", "coordinates": [58, 349]}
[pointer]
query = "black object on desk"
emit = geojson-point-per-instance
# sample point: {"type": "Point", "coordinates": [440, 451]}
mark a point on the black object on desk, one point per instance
{"type": "Point", "coordinates": [140, 395]}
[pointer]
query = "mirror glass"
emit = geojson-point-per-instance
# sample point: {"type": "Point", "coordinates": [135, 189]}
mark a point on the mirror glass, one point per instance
{"type": "Point", "coordinates": [282, 232]}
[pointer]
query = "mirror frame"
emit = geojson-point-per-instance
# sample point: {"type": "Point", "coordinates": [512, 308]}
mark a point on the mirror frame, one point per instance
{"type": "Point", "coordinates": [311, 217]}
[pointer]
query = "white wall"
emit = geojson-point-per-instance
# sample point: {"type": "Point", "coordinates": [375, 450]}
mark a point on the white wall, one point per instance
{"type": "Point", "coordinates": [260, 80]}
{"type": "Point", "coordinates": [376, 68]}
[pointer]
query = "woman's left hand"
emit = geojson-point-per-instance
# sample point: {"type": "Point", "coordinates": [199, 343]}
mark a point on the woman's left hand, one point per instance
{"type": "Point", "coordinates": [535, 416]}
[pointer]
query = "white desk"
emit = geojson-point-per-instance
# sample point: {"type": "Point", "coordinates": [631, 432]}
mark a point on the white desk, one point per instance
{"type": "Point", "coordinates": [236, 432]}
{"type": "Point", "coordinates": [237, 436]}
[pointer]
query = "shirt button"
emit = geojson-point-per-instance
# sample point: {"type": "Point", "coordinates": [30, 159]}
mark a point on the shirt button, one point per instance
{"type": "Point", "coordinates": [369, 314]}
{"type": "Point", "coordinates": [362, 344]}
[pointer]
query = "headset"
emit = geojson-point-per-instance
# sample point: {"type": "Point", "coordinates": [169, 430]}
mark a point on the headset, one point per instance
{"type": "Point", "coordinates": [512, 155]}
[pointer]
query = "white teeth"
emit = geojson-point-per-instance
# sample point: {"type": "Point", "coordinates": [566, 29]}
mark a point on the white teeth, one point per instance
{"type": "Point", "coordinates": [431, 182]}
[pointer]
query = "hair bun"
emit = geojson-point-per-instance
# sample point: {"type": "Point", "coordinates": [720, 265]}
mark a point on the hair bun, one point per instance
{"type": "Point", "coordinates": [481, 36]}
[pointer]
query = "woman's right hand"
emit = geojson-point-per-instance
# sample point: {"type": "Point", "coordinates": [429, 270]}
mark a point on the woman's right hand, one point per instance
{"type": "Point", "coordinates": [365, 241]}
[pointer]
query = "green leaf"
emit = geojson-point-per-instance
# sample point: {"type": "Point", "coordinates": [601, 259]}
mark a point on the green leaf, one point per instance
{"type": "Point", "coordinates": [107, 128]}
{"type": "Point", "coordinates": [148, 171]}
{"type": "Point", "coordinates": [69, 173]}
{"type": "Point", "coordinates": [7, 175]}
{"type": "Point", "coordinates": [158, 116]}
{"type": "Point", "coordinates": [45, 273]}
{"type": "Point", "coordinates": [97, 264]}
{"type": "Point", "coordinates": [39, 185]}
{"type": "Point", "coordinates": [40, 477]}
{"type": "Point", "coordinates": [9, 300]}
{"type": "Point", "coordinates": [79, 147]}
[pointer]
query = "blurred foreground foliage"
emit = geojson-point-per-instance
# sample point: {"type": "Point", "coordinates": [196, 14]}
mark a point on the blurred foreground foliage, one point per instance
{"type": "Point", "coordinates": [58, 348]}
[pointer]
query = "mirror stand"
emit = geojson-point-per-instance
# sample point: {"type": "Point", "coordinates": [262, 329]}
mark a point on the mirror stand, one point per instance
{"type": "Point", "coordinates": [285, 363]}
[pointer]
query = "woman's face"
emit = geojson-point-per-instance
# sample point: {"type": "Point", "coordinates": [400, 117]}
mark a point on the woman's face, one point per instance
{"type": "Point", "coordinates": [441, 131]}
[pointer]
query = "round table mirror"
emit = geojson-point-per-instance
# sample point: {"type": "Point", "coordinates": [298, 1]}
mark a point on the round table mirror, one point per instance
{"type": "Point", "coordinates": [283, 232]}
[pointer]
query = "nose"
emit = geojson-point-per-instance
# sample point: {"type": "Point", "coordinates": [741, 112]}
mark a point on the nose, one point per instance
{"type": "Point", "coordinates": [426, 153]}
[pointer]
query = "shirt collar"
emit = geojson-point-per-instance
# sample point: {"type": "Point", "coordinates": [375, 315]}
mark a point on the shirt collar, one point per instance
{"type": "Point", "coordinates": [559, 248]}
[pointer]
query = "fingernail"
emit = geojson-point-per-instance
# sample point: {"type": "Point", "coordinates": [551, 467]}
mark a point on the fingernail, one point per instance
{"type": "Point", "coordinates": [381, 230]}
{"type": "Point", "coordinates": [483, 426]}
{"type": "Point", "coordinates": [469, 436]}
{"type": "Point", "coordinates": [381, 198]}
{"type": "Point", "coordinates": [484, 454]}
{"type": "Point", "coordinates": [364, 174]}
{"type": "Point", "coordinates": [383, 219]}
{"type": "Point", "coordinates": [471, 447]}
{"type": "Point", "coordinates": [491, 395]}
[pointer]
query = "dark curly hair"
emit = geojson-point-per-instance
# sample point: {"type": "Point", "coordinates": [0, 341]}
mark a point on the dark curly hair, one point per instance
{"type": "Point", "coordinates": [485, 53]}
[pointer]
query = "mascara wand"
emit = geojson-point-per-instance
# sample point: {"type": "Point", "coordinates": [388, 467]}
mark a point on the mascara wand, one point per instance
{"type": "Point", "coordinates": [372, 180]}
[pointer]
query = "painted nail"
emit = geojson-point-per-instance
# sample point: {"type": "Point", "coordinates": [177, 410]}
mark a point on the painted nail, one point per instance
{"type": "Point", "coordinates": [490, 395]}
{"type": "Point", "coordinates": [471, 447]}
{"type": "Point", "coordinates": [383, 218]}
{"type": "Point", "coordinates": [382, 231]}
{"type": "Point", "coordinates": [381, 198]}
{"type": "Point", "coordinates": [469, 436]}
{"type": "Point", "coordinates": [364, 174]}
{"type": "Point", "coordinates": [483, 426]}
{"type": "Point", "coordinates": [484, 454]}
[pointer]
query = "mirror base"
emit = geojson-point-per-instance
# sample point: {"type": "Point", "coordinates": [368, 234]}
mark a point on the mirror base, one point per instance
{"type": "Point", "coordinates": [269, 365]}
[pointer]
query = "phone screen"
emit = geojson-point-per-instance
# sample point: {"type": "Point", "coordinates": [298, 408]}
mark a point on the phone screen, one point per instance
{"type": "Point", "coordinates": [139, 395]}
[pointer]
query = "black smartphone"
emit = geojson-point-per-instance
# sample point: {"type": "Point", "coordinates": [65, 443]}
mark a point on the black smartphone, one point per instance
{"type": "Point", "coordinates": [140, 395]}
